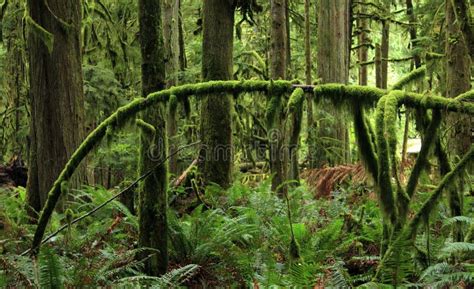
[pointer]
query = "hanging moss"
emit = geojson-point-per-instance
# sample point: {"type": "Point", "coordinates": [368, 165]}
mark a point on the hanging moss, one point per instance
{"type": "Point", "coordinates": [410, 77]}
{"type": "Point", "coordinates": [39, 31]}
{"type": "Point", "coordinates": [383, 179]}
{"type": "Point", "coordinates": [467, 96]}
{"type": "Point", "coordinates": [364, 140]}
{"type": "Point", "coordinates": [409, 231]}
{"type": "Point", "coordinates": [146, 127]}
{"type": "Point", "coordinates": [295, 102]}
{"type": "Point", "coordinates": [340, 94]}
{"type": "Point", "coordinates": [428, 142]}
{"type": "Point", "coordinates": [363, 95]}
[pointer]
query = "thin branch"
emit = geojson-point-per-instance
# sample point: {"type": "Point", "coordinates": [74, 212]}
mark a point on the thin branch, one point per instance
{"type": "Point", "coordinates": [127, 189]}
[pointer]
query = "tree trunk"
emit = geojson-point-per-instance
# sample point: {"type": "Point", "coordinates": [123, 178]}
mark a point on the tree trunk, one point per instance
{"type": "Point", "coordinates": [311, 128]}
{"type": "Point", "coordinates": [216, 118]}
{"type": "Point", "coordinates": [152, 206]}
{"type": "Point", "coordinates": [363, 40]}
{"type": "Point", "coordinates": [278, 70]}
{"type": "Point", "coordinates": [333, 67]}
{"type": "Point", "coordinates": [56, 94]}
{"type": "Point", "coordinates": [458, 75]}
{"type": "Point", "coordinates": [171, 39]}
{"type": "Point", "coordinates": [385, 51]}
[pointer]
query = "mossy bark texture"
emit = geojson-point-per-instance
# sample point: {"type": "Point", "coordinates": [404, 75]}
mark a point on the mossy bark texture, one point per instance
{"type": "Point", "coordinates": [56, 94]}
{"type": "Point", "coordinates": [278, 70]}
{"type": "Point", "coordinates": [216, 117]}
{"type": "Point", "coordinates": [333, 67]}
{"type": "Point", "coordinates": [152, 205]}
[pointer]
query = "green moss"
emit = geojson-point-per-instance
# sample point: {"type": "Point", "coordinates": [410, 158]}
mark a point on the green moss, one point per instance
{"type": "Point", "coordinates": [414, 75]}
{"type": "Point", "coordinates": [296, 100]}
{"type": "Point", "coordinates": [364, 140]}
{"type": "Point", "coordinates": [384, 179]}
{"type": "Point", "coordinates": [409, 231]}
{"type": "Point", "coordinates": [362, 95]}
{"type": "Point", "coordinates": [467, 96]}
{"type": "Point", "coordinates": [146, 127]}
{"type": "Point", "coordinates": [46, 37]}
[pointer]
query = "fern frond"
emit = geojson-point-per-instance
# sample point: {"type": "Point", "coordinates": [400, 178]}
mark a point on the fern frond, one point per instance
{"type": "Point", "coordinates": [457, 248]}
{"type": "Point", "coordinates": [50, 269]}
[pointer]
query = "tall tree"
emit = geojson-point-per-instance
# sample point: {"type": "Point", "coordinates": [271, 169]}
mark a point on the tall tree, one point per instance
{"type": "Point", "coordinates": [56, 93]}
{"type": "Point", "coordinates": [152, 206]}
{"type": "Point", "coordinates": [458, 81]}
{"type": "Point", "coordinates": [311, 128]}
{"type": "Point", "coordinates": [278, 70]}
{"type": "Point", "coordinates": [172, 51]}
{"type": "Point", "coordinates": [216, 119]}
{"type": "Point", "coordinates": [458, 70]}
{"type": "Point", "coordinates": [333, 67]}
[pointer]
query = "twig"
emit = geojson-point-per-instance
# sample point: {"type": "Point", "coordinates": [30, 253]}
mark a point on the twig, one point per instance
{"type": "Point", "coordinates": [184, 175]}
{"type": "Point", "coordinates": [127, 189]}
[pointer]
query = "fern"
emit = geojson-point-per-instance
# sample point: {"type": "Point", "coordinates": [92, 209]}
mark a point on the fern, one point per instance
{"type": "Point", "coordinates": [457, 248]}
{"type": "Point", "coordinates": [171, 279]}
{"type": "Point", "coordinates": [50, 269]}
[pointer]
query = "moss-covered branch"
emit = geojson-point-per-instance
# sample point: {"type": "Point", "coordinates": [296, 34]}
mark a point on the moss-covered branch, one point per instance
{"type": "Point", "coordinates": [385, 188]}
{"type": "Point", "coordinates": [409, 230]}
{"type": "Point", "coordinates": [410, 77]}
{"type": "Point", "coordinates": [362, 95]}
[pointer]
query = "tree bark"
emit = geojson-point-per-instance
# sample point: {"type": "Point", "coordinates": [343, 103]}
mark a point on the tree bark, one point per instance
{"type": "Point", "coordinates": [216, 118]}
{"type": "Point", "coordinates": [278, 70]}
{"type": "Point", "coordinates": [171, 40]}
{"type": "Point", "coordinates": [384, 47]}
{"type": "Point", "coordinates": [56, 94]}
{"type": "Point", "coordinates": [363, 40]}
{"type": "Point", "coordinates": [152, 205]}
{"type": "Point", "coordinates": [333, 67]}
{"type": "Point", "coordinates": [458, 75]}
{"type": "Point", "coordinates": [311, 128]}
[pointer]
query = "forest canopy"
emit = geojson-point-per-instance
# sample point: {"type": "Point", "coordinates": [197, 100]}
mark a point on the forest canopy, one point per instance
{"type": "Point", "coordinates": [237, 143]}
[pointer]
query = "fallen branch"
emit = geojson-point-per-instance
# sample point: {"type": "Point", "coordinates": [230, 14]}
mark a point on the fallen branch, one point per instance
{"type": "Point", "coordinates": [127, 189]}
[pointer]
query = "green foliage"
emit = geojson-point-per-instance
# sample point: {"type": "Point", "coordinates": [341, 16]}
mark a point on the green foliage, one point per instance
{"type": "Point", "coordinates": [50, 269]}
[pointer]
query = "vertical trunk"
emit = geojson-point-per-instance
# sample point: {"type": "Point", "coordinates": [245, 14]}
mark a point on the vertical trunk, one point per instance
{"type": "Point", "coordinates": [289, 68]}
{"type": "Point", "coordinates": [363, 40]}
{"type": "Point", "coordinates": [309, 79]}
{"type": "Point", "coordinates": [152, 206]}
{"type": "Point", "coordinates": [413, 33]}
{"type": "Point", "coordinates": [333, 67]}
{"type": "Point", "coordinates": [458, 74]}
{"type": "Point", "coordinates": [171, 40]}
{"type": "Point", "coordinates": [182, 49]}
{"type": "Point", "coordinates": [278, 70]}
{"type": "Point", "coordinates": [56, 95]}
{"type": "Point", "coordinates": [15, 81]}
{"type": "Point", "coordinates": [216, 118]}
{"type": "Point", "coordinates": [384, 53]}
{"type": "Point", "coordinates": [378, 66]}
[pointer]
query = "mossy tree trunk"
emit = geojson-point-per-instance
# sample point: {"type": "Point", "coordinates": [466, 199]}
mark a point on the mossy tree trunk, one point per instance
{"type": "Point", "coordinates": [216, 118]}
{"type": "Point", "coordinates": [310, 128]}
{"type": "Point", "coordinates": [384, 47]}
{"type": "Point", "coordinates": [278, 70]}
{"type": "Point", "coordinates": [363, 42]}
{"type": "Point", "coordinates": [458, 74]}
{"type": "Point", "coordinates": [152, 205]}
{"type": "Point", "coordinates": [333, 67]}
{"type": "Point", "coordinates": [171, 40]}
{"type": "Point", "coordinates": [15, 82]}
{"type": "Point", "coordinates": [56, 94]}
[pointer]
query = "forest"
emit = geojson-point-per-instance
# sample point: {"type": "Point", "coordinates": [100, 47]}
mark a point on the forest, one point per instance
{"type": "Point", "coordinates": [237, 144]}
